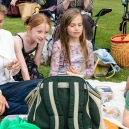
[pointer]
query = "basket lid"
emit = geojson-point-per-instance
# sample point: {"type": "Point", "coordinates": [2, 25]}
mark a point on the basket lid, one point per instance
{"type": "Point", "coordinates": [120, 38]}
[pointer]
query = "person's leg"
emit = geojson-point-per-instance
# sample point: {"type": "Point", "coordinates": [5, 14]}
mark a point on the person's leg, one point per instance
{"type": "Point", "coordinates": [88, 23]}
{"type": "Point", "coordinates": [15, 93]}
{"type": "Point", "coordinates": [127, 84]}
{"type": "Point", "coordinates": [6, 3]}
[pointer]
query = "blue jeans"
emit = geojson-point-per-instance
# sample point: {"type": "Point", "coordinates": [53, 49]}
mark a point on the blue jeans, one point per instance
{"type": "Point", "coordinates": [6, 3]}
{"type": "Point", "coordinates": [15, 93]}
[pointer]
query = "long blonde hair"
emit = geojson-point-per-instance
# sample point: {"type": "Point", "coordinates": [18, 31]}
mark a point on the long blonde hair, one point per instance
{"type": "Point", "coordinates": [3, 9]}
{"type": "Point", "coordinates": [66, 19]}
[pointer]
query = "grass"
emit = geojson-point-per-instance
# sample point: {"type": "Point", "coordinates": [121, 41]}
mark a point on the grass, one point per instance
{"type": "Point", "coordinates": [108, 26]}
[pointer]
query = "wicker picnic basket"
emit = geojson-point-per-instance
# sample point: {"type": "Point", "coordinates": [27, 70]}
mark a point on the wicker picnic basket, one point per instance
{"type": "Point", "coordinates": [120, 50]}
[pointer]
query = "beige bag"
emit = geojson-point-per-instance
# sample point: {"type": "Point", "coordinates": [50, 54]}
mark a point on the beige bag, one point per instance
{"type": "Point", "coordinates": [101, 69]}
{"type": "Point", "coordinates": [27, 9]}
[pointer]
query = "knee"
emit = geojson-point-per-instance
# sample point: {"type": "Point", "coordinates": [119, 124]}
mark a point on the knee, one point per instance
{"type": "Point", "coordinates": [37, 80]}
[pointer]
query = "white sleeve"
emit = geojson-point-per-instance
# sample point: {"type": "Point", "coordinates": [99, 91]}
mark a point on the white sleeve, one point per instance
{"type": "Point", "coordinates": [0, 91]}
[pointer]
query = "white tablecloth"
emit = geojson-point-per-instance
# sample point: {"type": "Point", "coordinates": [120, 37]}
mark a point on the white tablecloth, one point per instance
{"type": "Point", "coordinates": [118, 98]}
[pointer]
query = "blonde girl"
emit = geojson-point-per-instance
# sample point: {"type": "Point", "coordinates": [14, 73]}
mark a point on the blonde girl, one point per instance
{"type": "Point", "coordinates": [71, 52]}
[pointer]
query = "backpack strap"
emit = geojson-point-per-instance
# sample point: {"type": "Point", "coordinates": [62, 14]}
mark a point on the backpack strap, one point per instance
{"type": "Point", "coordinates": [53, 106]}
{"type": "Point", "coordinates": [76, 105]}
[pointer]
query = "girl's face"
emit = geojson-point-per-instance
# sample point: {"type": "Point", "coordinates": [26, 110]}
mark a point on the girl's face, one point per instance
{"type": "Point", "coordinates": [75, 28]}
{"type": "Point", "coordinates": [39, 33]}
{"type": "Point", "coordinates": [1, 19]}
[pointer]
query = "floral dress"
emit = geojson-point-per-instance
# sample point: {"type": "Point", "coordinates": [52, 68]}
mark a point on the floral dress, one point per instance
{"type": "Point", "coordinates": [31, 65]}
{"type": "Point", "coordinates": [76, 57]}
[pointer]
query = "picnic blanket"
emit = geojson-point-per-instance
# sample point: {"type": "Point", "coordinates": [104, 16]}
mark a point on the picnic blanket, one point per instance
{"type": "Point", "coordinates": [118, 99]}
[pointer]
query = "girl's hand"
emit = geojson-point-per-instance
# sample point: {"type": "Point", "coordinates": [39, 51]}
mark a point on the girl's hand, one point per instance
{"type": "Point", "coordinates": [73, 70]}
{"type": "Point", "coordinates": [16, 65]}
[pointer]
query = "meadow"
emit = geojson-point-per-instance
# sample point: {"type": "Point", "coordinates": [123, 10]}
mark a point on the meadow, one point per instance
{"type": "Point", "coordinates": [108, 26]}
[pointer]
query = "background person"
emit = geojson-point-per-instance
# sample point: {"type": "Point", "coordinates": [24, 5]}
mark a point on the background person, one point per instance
{"type": "Point", "coordinates": [8, 2]}
{"type": "Point", "coordinates": [125, 119]}
{"type": "Point", "coordinates": [85, 6]}
{"type": "Point", "coordinates": [71, 52]}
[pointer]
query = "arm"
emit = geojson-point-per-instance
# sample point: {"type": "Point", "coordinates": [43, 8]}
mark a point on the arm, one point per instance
{"type": "Point", "coordinates": [125, 119]}
{"type": "Point", "coordinates": [16, 64]}
{"type": "Point", "coordinates": [90, 62]}
{"type": "Point", "coordinates": [88, 5]}
{"type": "Point", "coordinates": [20, 57]}
{"type": "Point", "coordinates": [55, 58]}
{"type": "Point", "coordinates": [62, 5]}
{"type": "Point", "coordinates": [38, 54]}
{"type": "Point", "coordinates": [12, 60]}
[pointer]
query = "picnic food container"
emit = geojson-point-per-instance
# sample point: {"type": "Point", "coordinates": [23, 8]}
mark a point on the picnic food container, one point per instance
{"type": "Point", "coordinates": [105, 92]}
{"type": "Point", "coordinates": [120, 49]}
{"type": "Point", "coordinates": [112, 112]}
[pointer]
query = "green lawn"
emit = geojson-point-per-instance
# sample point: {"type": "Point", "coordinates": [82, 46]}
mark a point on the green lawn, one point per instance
{"type": "Point", "coordinates": [108, 26]}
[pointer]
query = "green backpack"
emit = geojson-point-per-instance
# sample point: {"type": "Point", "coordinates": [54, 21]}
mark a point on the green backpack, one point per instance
{"type": "Point", "coordinates": [64, 102]}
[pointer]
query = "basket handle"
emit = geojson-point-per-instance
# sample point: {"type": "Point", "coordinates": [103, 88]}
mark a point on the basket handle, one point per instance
{"type": "Point", "coordinates": [123, 25]}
